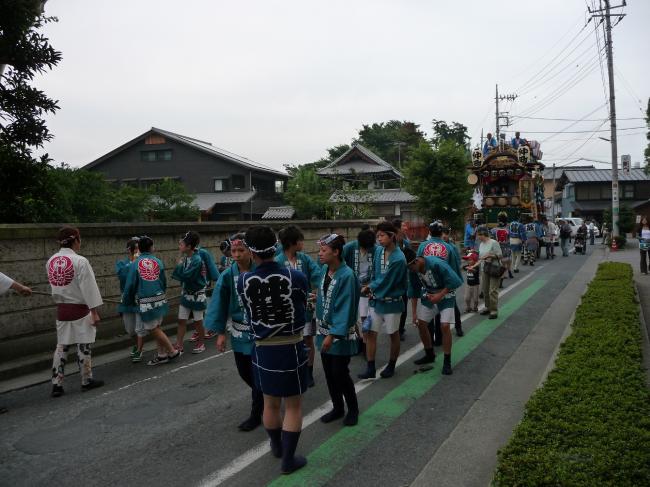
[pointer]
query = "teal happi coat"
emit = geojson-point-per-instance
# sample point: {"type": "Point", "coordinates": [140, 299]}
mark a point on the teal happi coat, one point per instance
{"type": "Point", "coordinates": [122, 270]}
{"type": "Point", "coordinates": [226, 304]}
{"type": "Point", "coordinates": [352, 257]}
{"type": "Point", "coordinates": [192, 273]}
{"type": "Point", "coordinates": [210, 264]}
{"type": "Point", "coordinates": [336, 310]}
{"type": "Point", "coordinates": [437, 275]}
{"type": "Point", "coordinates": [389, 281]}
{"type": "Point", "coordinates": [437, 247]}
{"type": "Point", "coordinates": [309, 268]}
{"type": "Point", "coordinates": [145, 287]}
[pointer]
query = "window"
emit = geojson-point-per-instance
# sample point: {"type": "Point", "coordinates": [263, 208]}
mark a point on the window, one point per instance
{"type": "Point", "coordinates": [156, 155]}
{"type": "Point", "coordinates": [398, 210]}
{"type": "Point", "coordinates": [279, 186]}
{"type": "Point", "coordinates": [238, 181]}
{"type": "Point", "coordinates": [606, 192]}
{"type": "Point", "coordinates": [218, 185]}
{"type": "Point", "coordinates": [628, 191]}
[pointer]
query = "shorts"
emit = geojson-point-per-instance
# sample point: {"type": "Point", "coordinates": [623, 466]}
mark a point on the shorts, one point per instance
{"type": "Point", "coordinates": [129, 323]}
{"type": "Point", "coordinates": [310, 328]}
{"type": "Point", "coordinates": [384, 323]}
{"type": "Point", "coordinates": [184, 313]}
{"type": "Point", "coordinates": [280, 370]}
{"type": "Point", "coordinates": [427, 314]}
{"type": "Point", "coordinates": [363, 306]}
{"type": "Point", "coordinates": [144, 327]}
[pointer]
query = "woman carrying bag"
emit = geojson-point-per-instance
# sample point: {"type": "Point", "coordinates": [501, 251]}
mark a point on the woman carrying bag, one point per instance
{"type": "Point", "coordinates": [489, 253]}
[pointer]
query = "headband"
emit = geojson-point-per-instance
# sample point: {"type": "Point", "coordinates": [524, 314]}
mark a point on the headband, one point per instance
{"type": "Point", "coordinates": [255, 250]}
{"type": "Point", "coordinates": [327, 239]}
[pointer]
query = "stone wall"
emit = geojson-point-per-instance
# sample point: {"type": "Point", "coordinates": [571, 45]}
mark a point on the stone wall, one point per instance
{"type": "Point", "coordinates": [24, 250]}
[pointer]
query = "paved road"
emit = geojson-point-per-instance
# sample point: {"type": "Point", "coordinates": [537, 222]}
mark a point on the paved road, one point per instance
{"type": "Point", "coordinates": [175, 425]}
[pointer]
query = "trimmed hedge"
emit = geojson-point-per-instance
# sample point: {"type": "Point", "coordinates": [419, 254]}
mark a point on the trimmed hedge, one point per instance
{"type": "Point", "coordinates": [589, 424]}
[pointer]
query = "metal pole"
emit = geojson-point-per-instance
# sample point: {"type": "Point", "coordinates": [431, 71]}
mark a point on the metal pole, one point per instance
{"type": "Point", "coordinates": [496, 116]}
{"type": "Point", "coordinates": [612, 121]}
{"type": "Point", "coordinates": [554, 213]}
{"type": "Point", "coordinates": [250, 176]}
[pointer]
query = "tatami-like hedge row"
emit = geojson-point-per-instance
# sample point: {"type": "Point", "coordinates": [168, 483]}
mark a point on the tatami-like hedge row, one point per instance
{"type": "Point", "coordinates": [589, 424]}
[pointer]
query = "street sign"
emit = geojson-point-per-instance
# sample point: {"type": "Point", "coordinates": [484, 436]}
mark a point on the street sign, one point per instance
{"type": "Point", "coordinates": [626, 161]}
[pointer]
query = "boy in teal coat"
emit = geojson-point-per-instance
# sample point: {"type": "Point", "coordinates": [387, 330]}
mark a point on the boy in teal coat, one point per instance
{"type": "Point", "coordinates": [386, 291]}
{"type": "Point", "coordinates": [145, 288]}
{"type": "Point", "coordinates": [128, 313]}
{"type": "Point", "coordinates": [336, 313]}
{"type": "Point", "coordinates": [226, 312]}
{"type": "Point", "coordinates": [432, 282]}
{"type": "Point", "coordinates": [293, 257]}
{"type": "Point", "coordinates": [192, 272]}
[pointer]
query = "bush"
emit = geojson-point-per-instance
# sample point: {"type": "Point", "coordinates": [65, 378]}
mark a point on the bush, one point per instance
{"type": "Point", "coordinates": [590, 423]}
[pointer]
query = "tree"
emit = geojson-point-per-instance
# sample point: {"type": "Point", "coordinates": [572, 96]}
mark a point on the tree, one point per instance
{"type": "Point", "coordinates": [455, 132]}
{"type": "Point", "coordinates": [308, 193]}
{"type": "Point", "coordinates": [438, 178]}
{"type": "Point", "coordinates": [626, 218]}
{"type": "Point", "coordinates": [170, 202]}
{"type": "Point", "coordinates": [25, 52]}
{"type": "Point", "coordinates": [391, 140]}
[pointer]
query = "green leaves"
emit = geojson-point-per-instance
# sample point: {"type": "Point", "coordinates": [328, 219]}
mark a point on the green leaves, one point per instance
{"type": "Point", "coordinates": [438, 178]}
{"type": "Point", "coordinates": [590, 422]}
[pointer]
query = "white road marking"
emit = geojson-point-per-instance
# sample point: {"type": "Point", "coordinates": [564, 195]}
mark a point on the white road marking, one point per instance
{"type": "Point", "coordinates": [258, 451]}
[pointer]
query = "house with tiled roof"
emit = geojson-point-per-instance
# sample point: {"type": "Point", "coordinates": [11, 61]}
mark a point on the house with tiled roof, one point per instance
{"type": "Point", "coordinates": [587, 193]}
{"type": "Point", "coordinates": [227, 186]}
{"type": "Point", "coordinates": [365, 180]}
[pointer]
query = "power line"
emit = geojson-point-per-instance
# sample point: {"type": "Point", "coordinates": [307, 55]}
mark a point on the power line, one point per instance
{"type": "Point", "coordinates": [576, 119]}
{"type": "Point", "coordinates": [577, 131]}
{"type": "Point", "coordinates": [545, 67]}
{"type": "Point", "coordinates": [602, 70]}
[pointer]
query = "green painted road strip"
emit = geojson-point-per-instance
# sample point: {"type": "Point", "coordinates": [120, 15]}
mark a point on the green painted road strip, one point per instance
{"type": "Point", "coordinates": [332, 455]}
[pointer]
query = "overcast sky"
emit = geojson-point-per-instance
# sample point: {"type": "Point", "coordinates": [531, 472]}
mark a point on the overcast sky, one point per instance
{"type": "Point", "coordinates": [280, 81]}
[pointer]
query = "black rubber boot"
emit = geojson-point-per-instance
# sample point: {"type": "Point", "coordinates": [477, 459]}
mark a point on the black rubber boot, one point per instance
{"type": "Point", "coordinates": [428, 358]}
{"type": "Point", "coordinates": [276, 441]}
{"type": "Point", "coordinates": [370, 372]}
{"type": "Point", "coordinates": [310, 371]}
{"type": "Point", "coordinates": [389, 370]}
{"type": "Point", "coordinates": [437, 339]}
{"type": "Point", "coordinates": [252, 422]}
{"type": "Point", "coordinates": [459, 331]}
{"type": "Point", "coordinates": [446, 366]}
{"type": "Point", "coordinates": [333, 415]}
{"type": "Point", "coordinates": [290, 461]}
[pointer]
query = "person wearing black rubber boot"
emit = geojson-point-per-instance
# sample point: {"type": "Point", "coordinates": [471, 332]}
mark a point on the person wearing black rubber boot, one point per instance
{"type": "Point", "coordinates": [336, 318]}
{"type": "Point", "coordinates": [274, 299]}
{"type": "Point", "coordinates": [432, 282]}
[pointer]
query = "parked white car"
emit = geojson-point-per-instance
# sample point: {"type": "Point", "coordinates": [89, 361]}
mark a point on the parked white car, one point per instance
{"type": "Point", "coordinates": [574, 223]}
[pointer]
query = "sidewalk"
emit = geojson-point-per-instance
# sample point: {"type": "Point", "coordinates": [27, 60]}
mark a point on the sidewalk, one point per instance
{"type": "Point", "coordinates": [468, 456]}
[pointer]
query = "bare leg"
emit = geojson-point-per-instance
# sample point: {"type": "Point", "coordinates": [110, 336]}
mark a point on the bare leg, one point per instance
{"type": "Point", "coordinates": [446, 338]}
{"type": "Point", "coordinates": [394, 346]}
{"type": "Point", "coordinates": [371, 345]}
{"type": "Point", "coordinates": [425, 335]}
{"type": "Point", "coordinates": [198, 327]}
{"type": "Point", "coordinates": [272, 418]}
{"type": "Point", "coordinates": [164, 344]}
{"type": "Point", "coordinates": [292, 414]}
{"type": "Point", "coordinates": [180, 334]}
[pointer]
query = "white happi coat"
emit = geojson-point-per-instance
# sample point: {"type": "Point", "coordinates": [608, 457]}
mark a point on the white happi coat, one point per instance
{"type": "Point", "coordinates": [73, 281]}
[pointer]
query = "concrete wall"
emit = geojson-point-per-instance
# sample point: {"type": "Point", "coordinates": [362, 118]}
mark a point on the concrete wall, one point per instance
{"type": "Point", "coordinates": [24, 250]}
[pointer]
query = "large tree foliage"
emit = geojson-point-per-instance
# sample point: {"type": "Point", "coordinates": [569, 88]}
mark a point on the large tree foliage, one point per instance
{"type": "Point", "coordinates": [24, 53]}
{"type": "Point", "coordinates": [308, 193]}
{"type": "Point", "coordinates": [392, 141]}
{"type": "Point", "coordinates": [437, 174]}
{"type": "Point", "coordinates": [170, 201]}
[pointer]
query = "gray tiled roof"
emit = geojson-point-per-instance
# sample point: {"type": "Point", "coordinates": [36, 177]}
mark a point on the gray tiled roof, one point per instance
{"type": "Point", "coordinates": [345, 163]}
{"type": "Point", "coordinates": [548, 171]}
{"type": "Point", "coordinates": [279, 213]}
{"type": "Point", "coordinates": [604, 175]}
{"type": "Point", "coordinates": [206, 201]}
{"type": "Point", "coordinates": [373, 196]}
{"type": "Point", "coordinates": [201, 145]}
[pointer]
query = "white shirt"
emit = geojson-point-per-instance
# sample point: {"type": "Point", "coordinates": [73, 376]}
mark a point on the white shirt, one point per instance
{"type": "Point", "coordinates": [5, 283]}
{"type": "Point", "coordinates": [72, 279]}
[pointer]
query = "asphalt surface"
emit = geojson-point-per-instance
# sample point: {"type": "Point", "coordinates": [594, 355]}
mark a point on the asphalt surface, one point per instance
{"type": "Point", "coordinates": [175, 424]}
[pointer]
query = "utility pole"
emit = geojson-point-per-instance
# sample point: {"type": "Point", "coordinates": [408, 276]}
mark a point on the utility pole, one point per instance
{"type": "Point", "coordinates": [498, 116]}
{"type": "Point", "coordinates": [612, 103]}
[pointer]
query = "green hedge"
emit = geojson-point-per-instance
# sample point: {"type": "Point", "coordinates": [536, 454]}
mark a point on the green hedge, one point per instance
{"type": "Point", "coordinates": [589, 424]}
